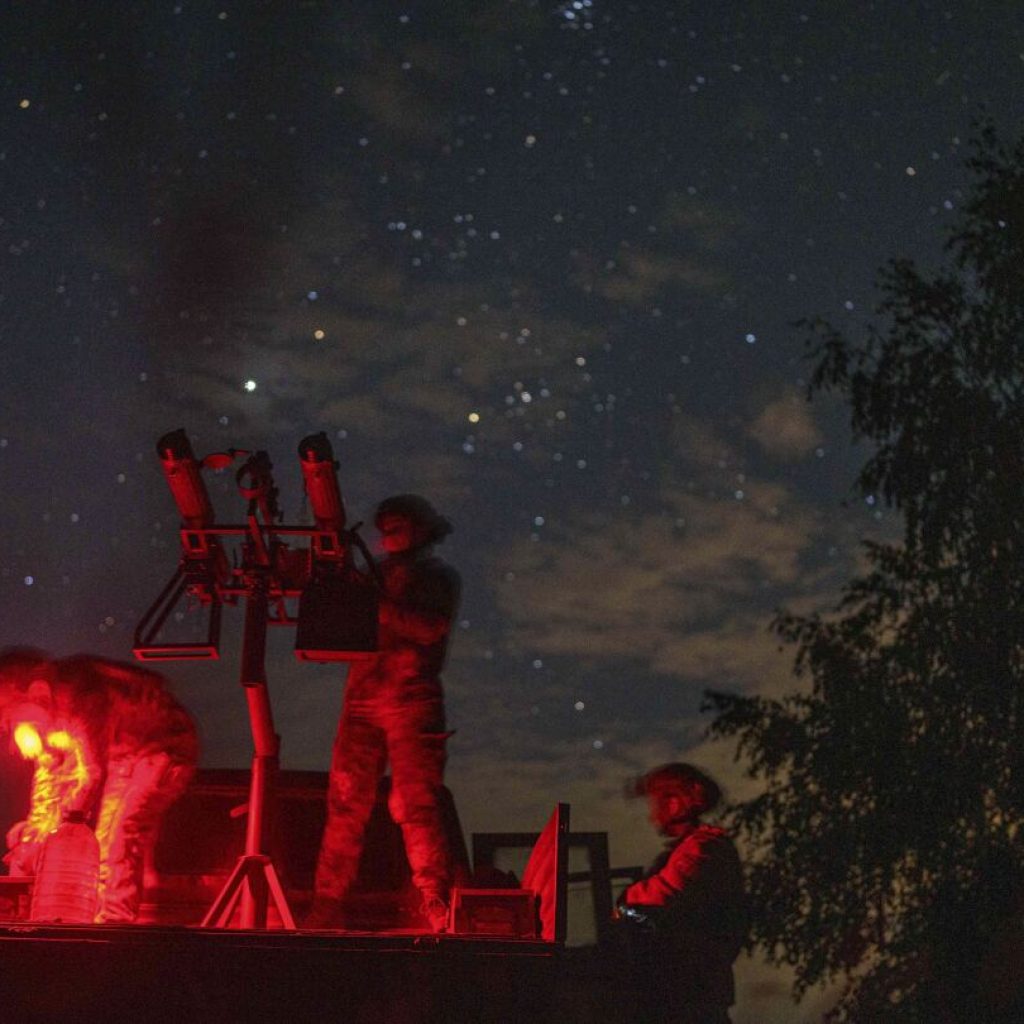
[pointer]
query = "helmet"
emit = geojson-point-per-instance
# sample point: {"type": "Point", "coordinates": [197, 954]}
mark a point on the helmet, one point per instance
{"type": "Point", "coordinates": [20, 666]}
{"type": "Point", "coordinates": [419, 511]}
{"type": "Point", "coordinates": [677, 778]}
{"type": "Point", "coordinates": [26, 675]}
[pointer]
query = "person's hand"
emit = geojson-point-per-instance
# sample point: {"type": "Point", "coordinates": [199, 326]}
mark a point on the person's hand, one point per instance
{"type": "Point", "coordinates": [22, 859]}
{"type": "Point", "coordinates": [13, 837]}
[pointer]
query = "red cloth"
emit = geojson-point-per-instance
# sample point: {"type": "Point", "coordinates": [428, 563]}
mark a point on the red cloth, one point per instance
{"type": "Point", "coordinates": [541, 875]}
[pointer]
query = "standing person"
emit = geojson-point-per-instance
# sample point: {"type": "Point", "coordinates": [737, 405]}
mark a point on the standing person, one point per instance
{"type": "Point", "coordinates": [393, 712]}
{"type": "Point", "coordinates": [108, 741]}
{"type": "Point", "coordinates": [686, 918]}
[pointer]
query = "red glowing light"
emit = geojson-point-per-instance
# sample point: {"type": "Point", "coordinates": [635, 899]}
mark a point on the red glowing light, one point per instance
{"type": "Point", "coordinates": [61, 774]}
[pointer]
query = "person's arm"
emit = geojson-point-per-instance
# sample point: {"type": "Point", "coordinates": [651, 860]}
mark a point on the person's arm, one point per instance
{"type": "Point", "coordinates": [67, 777]}
{"type": "Point", "coordinates": [682, 877]}
{"type": "Point", "coordinates": [424, 613]}
{"type": "Point", "coordinates": [80, 772]}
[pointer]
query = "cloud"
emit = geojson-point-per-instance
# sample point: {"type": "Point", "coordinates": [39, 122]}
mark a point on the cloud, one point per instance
{"type": "Point", "coordinates": [529, 783]}
{"type": "Point", "coordinates": [694, 234]}
{"type": "Point", "coordinates": [637, 276]}
{"type": "Point", "coordinates": [704, 224]}
{"type": "Point", "coordinates": [641, 587]}
{"type": "Point", "coordinates": [785, 428]}
{"type": "Point", "coordinates": [430, 344]}
{"type": "Point", "coordinates": [390, 97]}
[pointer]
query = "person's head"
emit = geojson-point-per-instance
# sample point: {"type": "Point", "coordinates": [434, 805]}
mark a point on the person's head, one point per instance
{"type": "Point", "coordinates": [26, 675]}
{"type": "Point", "coordinates": [677, 795]}
{"type": "Point", "coordinates": [407, 523]}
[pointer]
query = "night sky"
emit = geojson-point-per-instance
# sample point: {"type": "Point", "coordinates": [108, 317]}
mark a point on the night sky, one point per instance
{"type": "Point", "coordinates": [539, 262]}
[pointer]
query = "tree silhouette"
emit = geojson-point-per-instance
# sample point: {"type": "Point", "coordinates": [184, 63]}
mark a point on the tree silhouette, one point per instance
{"type": "Point", "coordinates": [887, 846]}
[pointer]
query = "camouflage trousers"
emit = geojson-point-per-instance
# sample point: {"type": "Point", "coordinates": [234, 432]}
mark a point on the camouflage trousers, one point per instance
{"type": "Point", "coordinates": [407, 732]}
{"type": "Point", "coordinates": [136, 793]}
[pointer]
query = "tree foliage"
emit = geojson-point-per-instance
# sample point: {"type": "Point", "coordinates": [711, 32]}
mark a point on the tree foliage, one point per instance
{"type": "Point", "coordinates": [886, 847]}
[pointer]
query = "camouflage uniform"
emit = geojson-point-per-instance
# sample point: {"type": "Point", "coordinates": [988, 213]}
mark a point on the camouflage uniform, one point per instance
{"type": "Point", "coordinates": [139, 750]}
{"type": "Point", "coordinates": [393, 713]}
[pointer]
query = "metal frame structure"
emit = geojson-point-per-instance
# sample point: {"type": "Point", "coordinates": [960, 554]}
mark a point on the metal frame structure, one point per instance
{"type": "Point", "coordinates": [260, 579]}
{"type": "Point", "coordinates": [487, 844]}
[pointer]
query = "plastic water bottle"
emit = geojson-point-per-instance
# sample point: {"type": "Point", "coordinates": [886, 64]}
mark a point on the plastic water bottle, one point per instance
{"type": "Point", "coordinates": [66, 882]}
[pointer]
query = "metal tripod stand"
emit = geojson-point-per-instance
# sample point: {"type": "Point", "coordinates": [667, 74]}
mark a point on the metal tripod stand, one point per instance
{"type": "Point", "coordinates": [254, 881]}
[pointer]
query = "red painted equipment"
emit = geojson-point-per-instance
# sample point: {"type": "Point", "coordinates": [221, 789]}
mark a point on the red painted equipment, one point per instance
{"type": "Point", "coordinates": [337, 600]}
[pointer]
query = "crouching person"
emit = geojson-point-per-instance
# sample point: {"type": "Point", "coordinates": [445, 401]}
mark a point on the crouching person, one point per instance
{"type": "Point", "coordinates": [108, 742]}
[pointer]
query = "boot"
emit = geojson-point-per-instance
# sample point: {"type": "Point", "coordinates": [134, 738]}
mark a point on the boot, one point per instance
{"type": "Point", "coordinates": [435, 910]}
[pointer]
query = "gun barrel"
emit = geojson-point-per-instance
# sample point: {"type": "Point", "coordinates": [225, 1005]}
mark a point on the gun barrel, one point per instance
{"type": "Point", "coordinates": [319, 471]}
{"type": "Point", "coordinates": [182, 472]}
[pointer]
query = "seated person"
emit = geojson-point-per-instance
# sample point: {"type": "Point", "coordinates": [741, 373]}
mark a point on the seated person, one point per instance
{"type": "Point", "coordinates": [686, 918]}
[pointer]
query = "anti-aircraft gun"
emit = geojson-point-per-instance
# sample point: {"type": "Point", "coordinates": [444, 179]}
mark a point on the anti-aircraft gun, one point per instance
{"type": "Point", "coordinates": [252, 562]}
